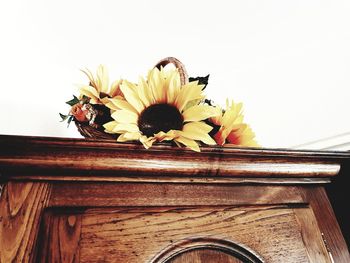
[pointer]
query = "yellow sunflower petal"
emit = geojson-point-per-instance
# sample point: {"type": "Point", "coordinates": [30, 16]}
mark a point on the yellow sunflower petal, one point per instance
{"type": "Point", "coordinates": [187, 93]}
{"type": "Point", "coordinates": [198, 131]}
{"type": "Point", "coordinates": [111, 106]}
{"type": "Point", "coordinates": [155, 83]}
{"type": "Point", "coordinates": [173, 88]}
{"type": "Point", "coordinates": [129, 136]}
{"type": "Point", "coordinates": [90, 77]}
{"type": "Point", "coordinates": [199, 112]}
{"type": "Point", "coordinates": [217, 120]}
{"type": "Point", "coordinates": [120, 104]}
{"type": "Point", "coordinates": [126, 127]}
{"type": "Point", "coordinates": [197, 126]}
{"type": "Point", "coordinates": [131, 96]}
{"type": "Point", "coordinates": [236, 128]}
{"type": "Point", "coordinates": [231, 113]}
{"type": "Point", "coordinates": [109, 126]}
{"type": "Point", "coordinates": [90, 92]}
{"type": "Point", "coordinates": [144, 93]}
{"type": "Point", "coordinates": [193, 145]}
{"type": "Point", "coordinates": [165, 136]}
{"type": "Point", "coordinates": [148, 91]}
{"type": "Point", "coordinates": [115, 89]}
{"type": "Point", "coordinates": [147, 141]}
{"type": "Point", "coordinates": [238, 119]}
{"type": "Point", "coordinates": [125, 116]}
{"type": "Point", "coordinates": [102, 79]}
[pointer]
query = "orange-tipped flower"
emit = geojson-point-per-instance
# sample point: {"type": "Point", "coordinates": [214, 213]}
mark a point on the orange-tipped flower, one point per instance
{"type": "Point", "coordinates": [79, 112]}
{"type": "Point", "coordinates": [232, 128]}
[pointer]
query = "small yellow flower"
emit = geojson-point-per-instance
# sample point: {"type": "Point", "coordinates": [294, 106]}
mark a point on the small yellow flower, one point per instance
{"type": "Point", "coordinates": [157, 109]}
{"type": "Point", "coordinates": [232, 128]}
{"type": "Point", "coordinates": [98, 89]}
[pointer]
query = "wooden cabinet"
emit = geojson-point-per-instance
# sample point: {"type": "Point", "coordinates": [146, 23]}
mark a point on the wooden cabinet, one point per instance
{"type": "Point", "coordinates": [74, 200]}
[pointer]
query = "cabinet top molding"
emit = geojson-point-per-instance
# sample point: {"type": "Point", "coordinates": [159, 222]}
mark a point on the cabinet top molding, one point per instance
{"type": "Point", "coordinates": [47, 158]}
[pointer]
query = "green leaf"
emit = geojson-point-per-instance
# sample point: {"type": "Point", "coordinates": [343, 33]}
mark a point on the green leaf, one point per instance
{"type": "Point", "coordinates": [73, 101]}
{"type": "Point", "coordinates": [70, 120]}
{"type": "Point", "coordinates": [85, 99]}
{"type": "Point", "coordinates": [64, 117]}
{"type": "Point", "coordinates": [201, 80]}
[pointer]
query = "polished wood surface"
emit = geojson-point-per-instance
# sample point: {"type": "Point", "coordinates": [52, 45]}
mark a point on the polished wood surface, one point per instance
{"type": "Point", "coordinates": [47, 156]}
{"type": "Point", "coordinates": [74, 200]}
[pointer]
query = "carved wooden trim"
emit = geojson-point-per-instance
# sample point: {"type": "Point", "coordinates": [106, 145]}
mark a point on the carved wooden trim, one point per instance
{"type": "Point", "coordinates": [33, 156]}
{"type": "Point", "coordinates": [183, 246]}
{"type": "Point", "coordinates": [164, 194]}
{"type": "Point", "coordinates": [174, 179]}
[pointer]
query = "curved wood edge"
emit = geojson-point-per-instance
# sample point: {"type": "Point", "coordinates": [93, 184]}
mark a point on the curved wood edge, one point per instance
{"type": "Point", "coordinates": [20, 155]}
{"type": "Point", "coordinates": [182, 246]}
{"type": "Point", "coordinates": [86, 143]}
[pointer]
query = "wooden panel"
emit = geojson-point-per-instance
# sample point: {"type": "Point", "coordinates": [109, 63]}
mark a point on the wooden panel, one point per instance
{"type": "Point", "coordinates": [109, 235]}
{"type": "Point", "coordinates": [328, 225]}
{"type": "Point", "coordinates": [311, 235]}
{"type": "Point", "coordinates": [167, 194]}
{"type": "Point", "coordinates": [21, 207]}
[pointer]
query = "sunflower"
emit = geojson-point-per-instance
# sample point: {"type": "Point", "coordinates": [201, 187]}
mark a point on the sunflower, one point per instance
{"type": "Point", "coordinates": [98, 90]}
{"type": "Point", "coordinates": [231, 127]}
{"type": "Point", "coordinates": [161, 109]}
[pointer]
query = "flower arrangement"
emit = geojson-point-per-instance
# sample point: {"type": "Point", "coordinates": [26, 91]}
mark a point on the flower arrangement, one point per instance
{"type": "Point", "coordinates": [164, 106]}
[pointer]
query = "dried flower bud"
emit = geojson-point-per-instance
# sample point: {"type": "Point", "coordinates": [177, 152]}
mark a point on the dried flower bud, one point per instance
{"type": "Point", "coordinates": [79, 113]}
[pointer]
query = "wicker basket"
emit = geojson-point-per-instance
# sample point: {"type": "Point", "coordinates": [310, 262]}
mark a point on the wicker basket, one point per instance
{"type": "Point", "coordinates": [91, 132]}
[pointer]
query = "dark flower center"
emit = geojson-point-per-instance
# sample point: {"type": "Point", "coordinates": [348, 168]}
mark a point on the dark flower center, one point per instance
{"type": "Point", "coordinates": [104, 95]}
{"type": "Point", "coordinates": [160, 117]}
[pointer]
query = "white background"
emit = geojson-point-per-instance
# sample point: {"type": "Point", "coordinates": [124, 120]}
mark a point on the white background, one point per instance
{"type": "Point", "coordinates": [287, 61]}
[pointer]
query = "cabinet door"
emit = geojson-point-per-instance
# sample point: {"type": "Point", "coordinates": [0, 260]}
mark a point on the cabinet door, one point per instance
{"type": "Point", "coordinates": [181, 234]}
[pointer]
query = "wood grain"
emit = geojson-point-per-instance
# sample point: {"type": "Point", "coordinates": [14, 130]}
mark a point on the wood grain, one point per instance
{"type": "Point", "coordinates": [205, 249]}
{"type": "Point", "coordinates": [56, 156]}
{"type": "Point", "coordinates": [312, 239]}
{"type": "Point", "coordinates": [66, 177]}
{"type": "Point", "coordinates": [327, 223]}
{"type": "Point", "coordinates": [59, 238]}
{"type": "Point", "coordinates": [21, 207]}
{"type": "Point", "coordinates": [204, 256]}
{"type": "Point", "coordinates": [167, 194]}
{"type": "Point", "coordinates": [121, 236]}
{"type": "Point", "coordinates": [100, 201]}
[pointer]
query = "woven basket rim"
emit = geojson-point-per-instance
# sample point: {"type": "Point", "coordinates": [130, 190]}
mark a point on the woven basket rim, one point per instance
{"type": "Point", "coordinates": [90, 132]}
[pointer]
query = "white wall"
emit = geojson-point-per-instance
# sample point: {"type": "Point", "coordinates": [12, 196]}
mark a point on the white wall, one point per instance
{"type": "Point", "coordinates": [287, 61]}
